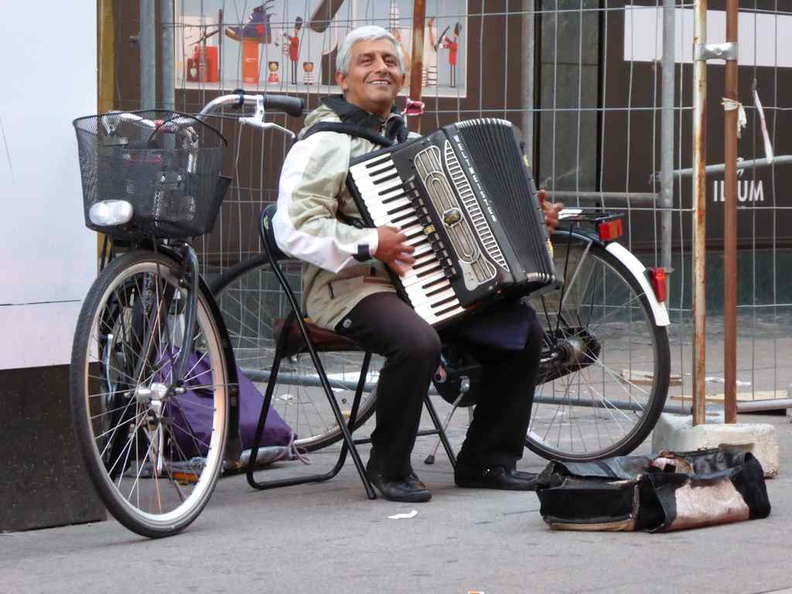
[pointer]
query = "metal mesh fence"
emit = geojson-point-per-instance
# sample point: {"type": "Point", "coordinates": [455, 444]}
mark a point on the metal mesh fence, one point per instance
{"type": "Point", "coordinates": [584, 80]}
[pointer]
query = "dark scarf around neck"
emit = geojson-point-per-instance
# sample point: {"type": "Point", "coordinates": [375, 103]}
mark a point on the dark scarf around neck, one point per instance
{"type": "Point", "coordinates": [396, 129]}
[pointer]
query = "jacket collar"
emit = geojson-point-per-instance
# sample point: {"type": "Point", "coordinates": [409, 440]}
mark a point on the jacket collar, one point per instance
{"type": "Point", "coordinates": [396, 129]}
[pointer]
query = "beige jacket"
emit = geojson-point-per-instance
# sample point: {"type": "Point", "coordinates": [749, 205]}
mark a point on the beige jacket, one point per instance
{"type": "Point", "coordinates": [312, 192]}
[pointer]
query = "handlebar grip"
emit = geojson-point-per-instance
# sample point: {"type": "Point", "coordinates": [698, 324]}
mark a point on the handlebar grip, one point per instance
{"type": "Point", "coordinates": [293, 106]}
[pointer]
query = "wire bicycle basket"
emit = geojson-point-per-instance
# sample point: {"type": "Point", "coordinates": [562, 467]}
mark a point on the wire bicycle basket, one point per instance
{"type": "Point", "coordinates": [162, 167]}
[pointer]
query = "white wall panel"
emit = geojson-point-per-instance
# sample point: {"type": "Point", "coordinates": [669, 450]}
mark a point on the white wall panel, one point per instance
{"type": "Point", "coordinates": [47, 257]}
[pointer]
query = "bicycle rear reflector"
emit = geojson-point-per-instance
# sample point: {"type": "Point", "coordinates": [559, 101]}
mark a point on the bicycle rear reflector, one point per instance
{"type": "Point", "coordinates": [657, 276]}
{"type": "Point", "coordinates": [610, 230]}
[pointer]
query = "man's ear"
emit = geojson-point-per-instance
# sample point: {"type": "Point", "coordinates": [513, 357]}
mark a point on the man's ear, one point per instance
{"type": "Point", "coordinates": [341, 80]}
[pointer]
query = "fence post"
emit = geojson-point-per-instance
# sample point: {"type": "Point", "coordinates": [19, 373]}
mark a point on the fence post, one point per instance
{"type": "Point", "coordinates": [731, 116]}
{"type": "Point", "coordinates": [148, 55]}
{"type": "Point", "coordinates": [528, 77]}
{"type": "Point", "coordinates": [168, 57]}
{"type": "Point", "coordinates": [699, 213]}
{"type": "Point", "coordinates": [667, 132]}
{"type": "Point", "coordinates": [416, 66]}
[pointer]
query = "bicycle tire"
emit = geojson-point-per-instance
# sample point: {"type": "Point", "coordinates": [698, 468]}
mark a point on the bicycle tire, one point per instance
{"type": "Point", "coordinates": [158, 472]}
{"type": "Point", "coordinates": [608, 400]}
{"type": "Point", "coordinates": [251, 299]}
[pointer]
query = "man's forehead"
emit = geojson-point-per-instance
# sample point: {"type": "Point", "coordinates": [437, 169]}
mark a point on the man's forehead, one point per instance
{"type": "Point", "coordinates": [376, 46]}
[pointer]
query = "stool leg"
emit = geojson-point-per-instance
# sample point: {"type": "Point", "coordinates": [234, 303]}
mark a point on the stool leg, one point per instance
{"type": "Point", "coordinates": [441, 431]}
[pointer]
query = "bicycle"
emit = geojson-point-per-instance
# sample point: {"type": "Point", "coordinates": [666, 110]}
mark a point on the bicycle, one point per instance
{"type": "Point", "coordinates": [605, 365]}
{"type": "Point", "coordinates": [151, 351]}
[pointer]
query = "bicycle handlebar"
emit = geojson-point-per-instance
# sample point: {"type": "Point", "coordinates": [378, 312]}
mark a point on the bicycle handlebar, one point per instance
{"type": "Point", "coordinates": [292, 106]}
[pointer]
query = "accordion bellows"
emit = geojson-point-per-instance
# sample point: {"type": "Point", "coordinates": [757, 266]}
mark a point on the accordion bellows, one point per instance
{"type": "Point", "coordinates": [658, 493]}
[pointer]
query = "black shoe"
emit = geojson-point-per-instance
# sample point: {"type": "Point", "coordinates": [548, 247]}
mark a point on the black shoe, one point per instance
{"type": "Point", "coordinates": [495, 477]}
{"type": "Point", "coordinates": [408, 489]}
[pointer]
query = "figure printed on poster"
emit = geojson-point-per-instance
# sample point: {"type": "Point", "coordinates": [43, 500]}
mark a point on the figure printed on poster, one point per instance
{"type": "Point", "coordinates": [227, 44]}
{"type": "Point", "coordinates": [293, 48]}
{"type": "Point", "coordinates": [429, 78]}
{"type": "Point", "coordinates": [452, 45]}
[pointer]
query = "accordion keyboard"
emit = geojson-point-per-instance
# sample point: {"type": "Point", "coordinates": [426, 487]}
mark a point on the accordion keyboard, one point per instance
{"type": "Point", "coordinates": [389, 202]}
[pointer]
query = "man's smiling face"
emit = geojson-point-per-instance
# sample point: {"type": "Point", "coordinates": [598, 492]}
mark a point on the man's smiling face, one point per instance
{"type": "Point", "coordinates": [374, 77]}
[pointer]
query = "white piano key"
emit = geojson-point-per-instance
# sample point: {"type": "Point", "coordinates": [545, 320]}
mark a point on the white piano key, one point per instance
{"type": "Point", "coordinates": [363, 169]}
{"type": "Point", "coordinates": [451, 314]}
{"type": "Point", "coordinates": [422, 258]}
{"type": "Point", "coordinates": [414, 285]}
{"type": "Point", "coordinates": [389, 220]}
{"type": "Point", "coordinates": [411, 280]}
{"type": "Point", "coordinates": [378, 185]}
{"type": "Point", "coordinates": [418, 239]}
{"type": "Point", "coordinates": [426, 301]}
{"type": "Point", "coordinates": [381, 210]}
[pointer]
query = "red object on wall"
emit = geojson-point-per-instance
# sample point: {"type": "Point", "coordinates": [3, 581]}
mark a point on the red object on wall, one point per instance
{"type": "Point", "coordinates": [203, 66]}
{"type": "Point", "coordinates": [250, 62]}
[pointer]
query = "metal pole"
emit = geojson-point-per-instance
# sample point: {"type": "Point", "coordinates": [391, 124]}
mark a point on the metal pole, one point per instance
{"type": "Point", "coordinates": [529, 56]}
{"type": "Point", "coordinates": [667, 132]}
{"type": "Point", "coordinates": [699, 214]}
{"type": "Point", "coordinates": [106, 56]}
{"type": "Point", "coordinates": [148, 55]}
{"type": "Point", "coordinates": [746, 164]}
{"type": "Point", "coordinates": [730, 224]}
{"type": "Point", "coordinates": [168, 56]}
{"type": "Point", "coordinates": [416, 63]}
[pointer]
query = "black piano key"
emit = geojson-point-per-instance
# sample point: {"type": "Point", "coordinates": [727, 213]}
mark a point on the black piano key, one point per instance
{"type": "Point", "coordinates": [387, 178]}
{"type": "Point", "coordinates": [436, 282]}
{"type": "Point", "coordinates": [407, 207]}
{"type": "Point", "coordinates": [403, 217]}
{"type": "Point", "coordinates": [391, 189]}
{"type": "Point", "coordinates": [434, 292]}
{"type": "Point", "coordinates": [421, 265]}
{"type": "Point", "coordinates": [374, 162]}
{"type": "Point", "coordinates": [380, 169]}
{"type": "Point", "coordinates": [432, 270]}
{"type": "Point", "coordinates": [390, 199]}
{"type": "Point", "coordinates": [446, 310]}
{"type": "Point", "coordinates": [443, 303]}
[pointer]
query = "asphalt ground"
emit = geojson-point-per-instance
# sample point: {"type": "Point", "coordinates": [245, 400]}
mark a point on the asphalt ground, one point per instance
{"type": "Point", "coordinates": [327, 537]}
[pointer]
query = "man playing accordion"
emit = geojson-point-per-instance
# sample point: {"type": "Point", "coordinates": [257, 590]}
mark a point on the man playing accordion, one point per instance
{"type": "Point", "coordinates": [347, 289]}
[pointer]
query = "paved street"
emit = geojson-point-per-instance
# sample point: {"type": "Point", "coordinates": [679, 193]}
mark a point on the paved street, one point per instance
{"type": "Point", "coordinates": [330, 538]}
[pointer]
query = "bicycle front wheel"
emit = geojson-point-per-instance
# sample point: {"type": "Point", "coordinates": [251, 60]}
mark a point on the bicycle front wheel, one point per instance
{"type": "Point", "coordinates": [252, 301]}
{"type": "Point", "coordinates": [153, 447]}
{"type": "Point", "coordinates": [606, 363]}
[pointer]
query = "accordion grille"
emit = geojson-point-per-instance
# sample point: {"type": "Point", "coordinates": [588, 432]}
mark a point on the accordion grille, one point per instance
{"type": "Point", "coordinates": [499, 161]}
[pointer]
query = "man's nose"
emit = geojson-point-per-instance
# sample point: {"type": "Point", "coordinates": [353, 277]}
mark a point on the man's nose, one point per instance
{"type": "Point", "coordinates": [380, 64]}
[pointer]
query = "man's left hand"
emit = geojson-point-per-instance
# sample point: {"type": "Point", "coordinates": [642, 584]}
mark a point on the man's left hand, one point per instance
{"type": "Point", "coordinates": [551, 210]}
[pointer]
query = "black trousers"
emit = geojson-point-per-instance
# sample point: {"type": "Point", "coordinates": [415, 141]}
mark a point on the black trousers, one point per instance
{"type": "Point", "coordinates": [384, 324]}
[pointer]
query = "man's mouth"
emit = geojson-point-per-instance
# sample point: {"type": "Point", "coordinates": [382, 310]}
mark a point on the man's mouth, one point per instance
{"type": "Point", "coordinates": [380, 83]}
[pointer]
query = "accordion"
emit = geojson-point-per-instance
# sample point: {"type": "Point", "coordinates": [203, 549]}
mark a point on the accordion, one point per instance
{"type": "Point", "coordinates": [465, 198]}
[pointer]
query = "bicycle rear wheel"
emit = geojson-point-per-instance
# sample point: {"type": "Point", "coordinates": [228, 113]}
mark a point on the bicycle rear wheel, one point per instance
{"type": "Point", "coordinates": [251, 300]}
{"type": "Point", "coordinates": [154, 453]}
{"type": "Point", "coordinates": [606, 364]}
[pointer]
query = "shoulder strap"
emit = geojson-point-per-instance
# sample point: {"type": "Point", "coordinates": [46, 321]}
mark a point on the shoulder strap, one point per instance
{"type": "Point", "coordinates": [354, 130]}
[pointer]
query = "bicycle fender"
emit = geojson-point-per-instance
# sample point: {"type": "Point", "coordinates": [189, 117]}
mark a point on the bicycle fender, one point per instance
{"type": "Point", "coordinates": [638, 270]}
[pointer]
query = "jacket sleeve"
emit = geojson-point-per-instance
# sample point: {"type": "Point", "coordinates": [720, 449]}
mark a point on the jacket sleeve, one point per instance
{"type": "Point", "coordinates": [306, 227]}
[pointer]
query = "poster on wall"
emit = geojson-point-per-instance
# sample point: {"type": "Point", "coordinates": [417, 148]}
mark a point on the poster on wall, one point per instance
{"type": "Point", "coordinates": [288, 46]}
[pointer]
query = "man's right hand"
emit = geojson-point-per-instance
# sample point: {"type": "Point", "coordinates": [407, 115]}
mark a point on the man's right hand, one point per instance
{"type": "Point", "coordinates": [393, 251]}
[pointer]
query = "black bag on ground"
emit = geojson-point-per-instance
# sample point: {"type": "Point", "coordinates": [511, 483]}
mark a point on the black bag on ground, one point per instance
{"type": "Point", "coordinates": [657, 493]}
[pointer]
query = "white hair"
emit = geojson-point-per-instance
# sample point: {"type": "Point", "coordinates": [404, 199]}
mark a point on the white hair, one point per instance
{"type": "Point", "coordinates": [367, 33]}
